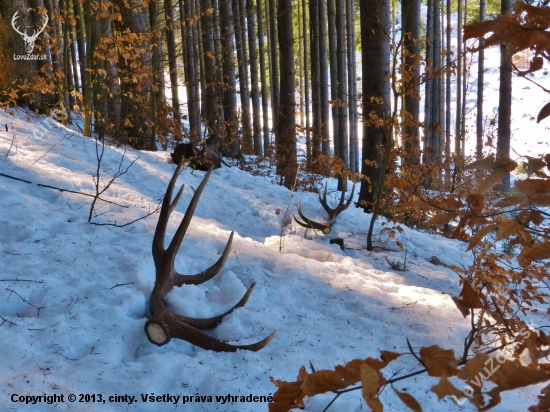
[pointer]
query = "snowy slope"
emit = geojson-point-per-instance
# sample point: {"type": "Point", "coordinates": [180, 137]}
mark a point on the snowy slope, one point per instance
{"type": "Point", "coordinates": [74, 296]}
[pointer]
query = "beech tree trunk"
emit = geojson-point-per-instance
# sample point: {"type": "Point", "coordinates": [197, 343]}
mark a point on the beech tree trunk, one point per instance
{"type": "Point", "coordinates": [286, 125]}
{"type": "Point", "coordinates": [504, 103]}
{"type": "Point", "coordinates": [410, 11]}
{"type": "Point", "coordinates": [263, 75]}
{"type": "Point", "coordinates": [254, 81]}
{"type": "Point", "coordinates": [375, 24]}
{"type": "Point", "coordinates": [480, 86]}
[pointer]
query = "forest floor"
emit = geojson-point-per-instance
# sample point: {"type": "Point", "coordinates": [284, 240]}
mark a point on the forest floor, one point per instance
{"type": "Point", "coordinates": [74, 296]}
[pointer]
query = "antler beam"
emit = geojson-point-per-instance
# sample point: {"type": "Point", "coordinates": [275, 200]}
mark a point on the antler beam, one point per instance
{"type": "Point", "coordinates": [165, 324]}
{"type": "Point", "coordinates": [325, 227]}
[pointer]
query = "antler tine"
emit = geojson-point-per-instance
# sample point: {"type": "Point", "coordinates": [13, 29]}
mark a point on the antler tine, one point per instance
{"type": "Point", "coordinates": [206, 275]}
{"type": "Point", "coordinates": [332, 213]}
{"type": "Point", "coordinates": [209, 323]}
{"type": "Point", "coordinates": [166, 210]}
{"type": "Point", "coordinates": [310, 223]}
{"type": "Point", "coordinates": [184, 225]}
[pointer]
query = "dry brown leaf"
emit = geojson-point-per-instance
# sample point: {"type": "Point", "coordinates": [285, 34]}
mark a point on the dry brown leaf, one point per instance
{"type": "Point", "coordinates": [408, 400]}
{"type": "Point", "coordinates": [468, 299]}
{"type": "Point", "coordinates": [508, 228]}
{"type": "Point", "coordinates": [483, 164]}
{"type": "Point", "coordinates": [440, 362]}
{"type": "Point", "coordinates": [484, 185]}
{"type": "Point", "coordinates": [534, 65]}
{"type": "Point", "coordinates": [533, 165]}
{"type": "Point", "coordinates": [445, 388]}
{"type": "Point", "coordinates": [478, 237]}
{"type": "Point", "coordinates": [509, 201]}
{"type": "Point", "coordinates": [533, 186]}
{"type": "Point", "coordinates": [385, 356]}
{"type": "Point", "coordinates": [544, 401]}
{"type": "Point", "coordinates": [449, 204]}
{"type": "Point", "coordinates": [285, 396]}
{"type": "Point", "coordinates": [369, 381]}
{"type": "Point", "coordinates": [476, 203]}
{"type": "Point", "coordinates": [534, 252]}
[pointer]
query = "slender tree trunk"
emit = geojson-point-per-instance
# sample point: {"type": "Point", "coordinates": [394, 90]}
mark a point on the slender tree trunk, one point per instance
{"type": "Point", "coordinates": [80, 41]}
{"type": "Point", "coordinates": [410, 11]}
{"type": "Point", "coordinates": [458, 132]}
{"type": "Point", "coordinates": [352, 86]}
{"type": "Point", "coordinates": [211, 105]}
{"type": "Point", "coordinates": [428, 93]}
{"type": "Point", "coordinates": [448, 88]}
{"type": "Point", "coordinates": [332, 40]}
{"type": "Point", "coordinates": [254, 78]}
{"type": "Point", "coordinates": [315, 79]}
{"type": "Point", "coordinates": [274, 64]}
{"type": "Point", "coordinates": [465, 71]}
{"type": "Point", "coordinates": [243, 80]}
{"type": "Point", "coordinates": [323, 71]}
{"type": "Point", "coordinates": [375, 26]}
{"type": "Point", "coordinates": [172, 58]}
{"type": "Point", "coordinates": [263, 75]}
{"type": "Point", "coordinates": [229, 83]}
{"type": "Point", "coordinates": [480, 85]}
{"type": "Point", "coordinates": [436, 85]}
{"type": "Point", "coordinates": [504, 103]}
{"type": "Point", "coordinates": [192, 82]}
{"type": "Point", "coordinates": [342, 85]}
{"type": "Point", "coordinates": [88, 96]}
{"type": "Point", "coordinates": [286, 126]}
{"type": "Point", "coordinates": [306, 85]}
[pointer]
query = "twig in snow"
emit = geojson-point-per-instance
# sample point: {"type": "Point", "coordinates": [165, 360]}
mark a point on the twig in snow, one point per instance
{"type": "Point", "coordinates": [38, 309]}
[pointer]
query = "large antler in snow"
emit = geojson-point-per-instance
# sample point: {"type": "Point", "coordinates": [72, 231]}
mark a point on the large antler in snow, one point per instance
{"type": "Point", "coordinates": [29, 40]}
{"type": "Point", "coordinates": [165, 324]}
{"type": "Point", "coordinates": [332, 213]}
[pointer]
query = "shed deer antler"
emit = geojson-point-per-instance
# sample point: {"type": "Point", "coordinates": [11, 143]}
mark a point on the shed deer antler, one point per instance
{"type": "Point", "coordinates": [29, 40]}
{"type": "Point", "coordinates": [165, 324]}
{"type": "Point", "coordinates": [332, 213]}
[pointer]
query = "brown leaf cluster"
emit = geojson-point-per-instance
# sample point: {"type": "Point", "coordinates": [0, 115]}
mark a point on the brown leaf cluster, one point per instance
{"type": "Point", "coordinates": [290, 395]}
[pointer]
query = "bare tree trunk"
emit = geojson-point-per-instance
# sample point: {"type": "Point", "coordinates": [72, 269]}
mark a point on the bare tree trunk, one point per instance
{"type": "Point", "coordinates": [263, 75]}
{"type": "Point", "coordinates": [323, 70]}
{"type": "Point", "coordinates": [274, 73]}
{"type": "Point", "coordinates": [428, 93]}
{"type": "Point", "coordinates": [375, 51]}
{"type": "Point", "coordinates": [342, 85]}
{"type": "Point", "coordinates": [80, 41]}
{"type": "Point", "coordinates": [243, 80]}
{"type": "Point", "coordinates": [192, 82]}
{"type": "Point", "coordinates": [410, 11]}
{"type": "Point", "coordinates": [286, 126]}
{"type": "Point", "coordinates": [229, 83]}
{"type": "Point", "coordinates": [211, 105]}
{"type": "Point", "coordinates": [458, 132]}
{"type": "Point", "coordinates": [254, 81]}
{"type": "Point", "coordinates": [172, 59]}
{"type": "Point", "coordinates": [480, 86]}
{"type": "Point", "coordinates": [504, 103]}
{"type": "Point", "coordinates": [315, 79]}
{"type": "Point", "coordinates": [352, 86]}
{"type": "Point", "coordinates": [448, 88]}
{"type": "Point", "coordinates": [306, 85]}
{"type": "Point", "coordinates": [332, 40]}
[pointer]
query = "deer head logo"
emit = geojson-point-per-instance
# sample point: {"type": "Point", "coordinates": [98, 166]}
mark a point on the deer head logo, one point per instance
{"type": "Point", "coordinates": [29, 40]}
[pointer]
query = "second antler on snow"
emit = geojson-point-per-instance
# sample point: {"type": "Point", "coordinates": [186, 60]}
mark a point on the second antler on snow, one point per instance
{"type": "Point", "coordinates": [332, 213]}
{"type": "Point", "coordinates": [164, 323]}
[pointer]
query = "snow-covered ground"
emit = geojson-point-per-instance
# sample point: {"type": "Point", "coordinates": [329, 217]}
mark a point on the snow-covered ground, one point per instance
{"type": "Point", "coordinates": [74, 296]}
